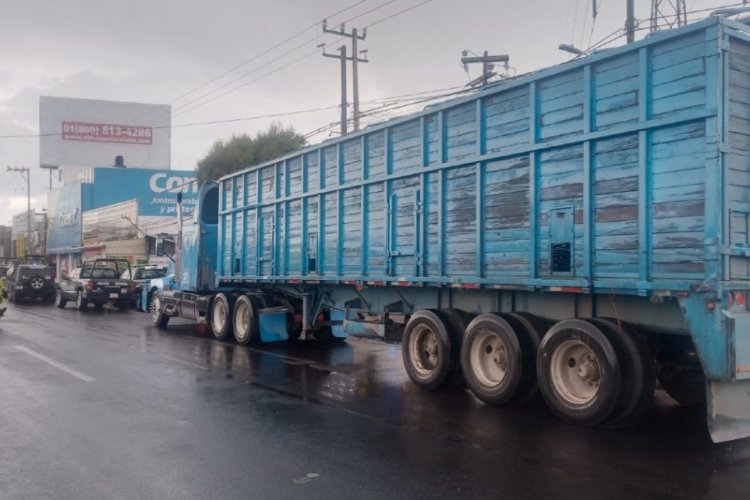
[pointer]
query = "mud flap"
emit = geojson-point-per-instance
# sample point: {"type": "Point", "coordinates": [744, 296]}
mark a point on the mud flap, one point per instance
{"type": "Point", "coordinates": [728, 410]}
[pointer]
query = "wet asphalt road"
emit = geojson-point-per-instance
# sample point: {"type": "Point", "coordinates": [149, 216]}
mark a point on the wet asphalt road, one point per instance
{"type": "Point", "coordinates": [103, 405]}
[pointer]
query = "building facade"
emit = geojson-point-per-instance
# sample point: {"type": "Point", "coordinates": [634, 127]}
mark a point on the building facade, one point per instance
{"type": "Point", "coordinates": [116, 212]}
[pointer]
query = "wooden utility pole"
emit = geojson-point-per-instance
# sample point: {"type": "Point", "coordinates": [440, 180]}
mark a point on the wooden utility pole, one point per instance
{"type": "Point", "coordinates": [486, 61]}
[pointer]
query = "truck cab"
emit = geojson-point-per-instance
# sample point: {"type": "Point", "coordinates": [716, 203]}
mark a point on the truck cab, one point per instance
{"type": "Point", "coordinates": [188, 294]}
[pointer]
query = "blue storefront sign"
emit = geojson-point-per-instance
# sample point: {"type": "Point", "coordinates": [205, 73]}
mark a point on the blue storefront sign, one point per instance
{"type": "Point", "coordinates": [155, 190]}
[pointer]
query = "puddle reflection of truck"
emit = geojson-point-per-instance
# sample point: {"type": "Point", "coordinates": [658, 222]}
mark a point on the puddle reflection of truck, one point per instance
{"type": "Point", "coordinates": [578, 231]}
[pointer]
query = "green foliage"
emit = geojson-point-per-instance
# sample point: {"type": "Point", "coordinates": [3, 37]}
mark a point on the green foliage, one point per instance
{"type": "Point", "coordinates": [244, 151]}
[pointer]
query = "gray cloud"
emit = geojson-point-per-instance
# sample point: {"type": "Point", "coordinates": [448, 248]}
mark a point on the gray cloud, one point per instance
{"type": "Point", "coordinates": [153, 51]}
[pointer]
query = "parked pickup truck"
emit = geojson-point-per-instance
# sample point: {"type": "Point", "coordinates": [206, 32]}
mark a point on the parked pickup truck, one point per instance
{"type": "Point", "coordinates": [96, 282]}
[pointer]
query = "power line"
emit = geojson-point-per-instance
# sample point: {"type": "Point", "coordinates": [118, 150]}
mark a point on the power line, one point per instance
{"type": "Point", "coordinates": [390, 100]}
{"type": "Point", "coordinates": [396, 14]}
{"type": "Point", "coordinates": [183, 107]}
{"type": "Point", "coordinates": [261, 54]}
{"type": "Point", "coordinates": [257, 56]}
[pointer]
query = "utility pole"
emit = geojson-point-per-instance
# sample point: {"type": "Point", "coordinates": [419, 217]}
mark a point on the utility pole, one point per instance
{"type": "Point", "coordinates": [487, 65]}
{"type": "Point", "coordinates": [354, 36]}
{"type": "Point", "coordinates": [22, 171]}
{"type": "Point", "coordinates": [630, 21]}
{"type": "Point", "coordinates": [342, 56]}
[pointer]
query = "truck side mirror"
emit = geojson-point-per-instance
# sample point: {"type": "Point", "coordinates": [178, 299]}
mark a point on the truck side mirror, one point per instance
{"type": "Point", "coordinates": [160, 247]}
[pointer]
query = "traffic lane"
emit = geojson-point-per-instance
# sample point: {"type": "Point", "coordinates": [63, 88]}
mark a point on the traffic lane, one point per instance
{"type": "Point", "coordinates": [214, 437]}
{"type": "Point", "coordinates": [362, 385]}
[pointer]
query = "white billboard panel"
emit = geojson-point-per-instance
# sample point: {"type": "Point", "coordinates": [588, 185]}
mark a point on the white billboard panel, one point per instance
{"type": "Point", "coordinates": [87, 132]}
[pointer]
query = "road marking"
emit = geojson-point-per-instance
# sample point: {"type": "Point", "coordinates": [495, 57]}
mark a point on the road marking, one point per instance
{"type": "Point", "coordinates": [52, 362]}
{"type": "Point", "coordinates": [306, 478]}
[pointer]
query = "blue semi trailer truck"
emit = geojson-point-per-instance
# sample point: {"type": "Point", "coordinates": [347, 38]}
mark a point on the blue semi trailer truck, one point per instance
{"type": "Point", "coordinates": [580, 232]}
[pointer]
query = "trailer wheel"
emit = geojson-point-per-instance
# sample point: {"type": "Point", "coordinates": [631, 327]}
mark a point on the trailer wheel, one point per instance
{"type": "Point", "coordinates": [492, 359]}
{"type": "Point", "coordinates": [529, 331]}
{"type": "Point", "coordinates": [426, 349]}
{"type": "Point", "coordinates": [158, 318]}
{"type": "Point", "coordinates": [578, 372]}
{"type": "Point", "coordinates": [221, 316]}
{"type": "Point", "coordinates": [637, 368]}
{"type": "Point", "coordinates": [245, 320]}
{"type": "Point", "coordinates": [458, 320]}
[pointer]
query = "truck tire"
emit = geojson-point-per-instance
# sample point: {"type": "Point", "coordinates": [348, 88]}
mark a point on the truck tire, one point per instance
{"type": "Point", "coordinates": [458, 320]}
{"type": "Point", "coordinates": [221, 316]}
{"type": "Point", "coordinates": [529, 331]}
{"type": "Point", "coordinates": [81, 303]}
{"type": "Point", "coordinates": [578, 372]}
{"type": "Point", "coordinates": [245, 320]}
{"type": "Point", "coordinates": [60, 301]}
{"type": "Point", "coordinates": [426, 349]}
{"type": "Point", "coordinates": [637, 368]}
{"type": "Point", "coordinates": [158, 318]}
{"type": "Point", "coordinates": [492, 359]}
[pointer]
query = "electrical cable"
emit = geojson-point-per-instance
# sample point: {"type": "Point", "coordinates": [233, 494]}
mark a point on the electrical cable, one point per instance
{"type": "Point", "coordinates": [186, 107]}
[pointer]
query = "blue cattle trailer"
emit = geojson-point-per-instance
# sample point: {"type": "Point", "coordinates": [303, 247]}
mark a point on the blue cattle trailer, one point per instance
{"type": "Point", "coordinates": [579, 232]}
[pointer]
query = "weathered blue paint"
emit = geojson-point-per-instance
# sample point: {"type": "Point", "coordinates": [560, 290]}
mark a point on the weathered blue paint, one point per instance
{"type": "Point", "coordinates": [623, 177]}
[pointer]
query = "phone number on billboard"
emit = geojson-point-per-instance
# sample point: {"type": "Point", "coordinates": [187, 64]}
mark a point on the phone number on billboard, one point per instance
{"type": "Point", "coordinates": [106, 132]}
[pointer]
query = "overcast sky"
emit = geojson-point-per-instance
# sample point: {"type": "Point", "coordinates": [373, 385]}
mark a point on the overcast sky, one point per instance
{"type": "Point", "coordinates": [155, 51]}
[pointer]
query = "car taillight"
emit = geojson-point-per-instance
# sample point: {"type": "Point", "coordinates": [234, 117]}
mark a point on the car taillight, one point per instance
{"type": "Point", "coordinates": [89, 285]}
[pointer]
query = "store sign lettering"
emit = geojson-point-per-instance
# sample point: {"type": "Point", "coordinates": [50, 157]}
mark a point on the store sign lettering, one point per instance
{"type": "Point", "coordinates": [162, 183]}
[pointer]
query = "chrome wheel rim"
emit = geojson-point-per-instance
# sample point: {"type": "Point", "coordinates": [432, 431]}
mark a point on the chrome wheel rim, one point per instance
{"type": "Point", "coordinates": [488, 357]}
{"type": "Point", "coordinates": [37, 283]}
{"type": "Point", "coordinates": [576, 373]}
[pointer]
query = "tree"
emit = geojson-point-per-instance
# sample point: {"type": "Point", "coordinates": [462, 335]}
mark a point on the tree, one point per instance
{"type": "Point", "coordinates": [243, 151]}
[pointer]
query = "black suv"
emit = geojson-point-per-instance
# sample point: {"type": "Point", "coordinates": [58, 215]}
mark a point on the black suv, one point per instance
{"type": "Point", "coordinates": [24, 281]}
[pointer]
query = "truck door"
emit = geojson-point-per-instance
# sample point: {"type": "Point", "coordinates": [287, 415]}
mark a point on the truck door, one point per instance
{"type": "Point", "coordinates": [266, 242]}
{"type": "Point", "coordinates": [403, 231]}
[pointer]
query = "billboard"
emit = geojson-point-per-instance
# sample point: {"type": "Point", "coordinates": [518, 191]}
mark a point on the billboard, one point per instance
{"type": "Point", "coordinates": [155, 190]}
{"type": "Point", "coordinates": [64, 209]}
{"type": "Point", "coordinates": [111, 223]}
{"type": "Point", "coordinates": [85, 132]}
